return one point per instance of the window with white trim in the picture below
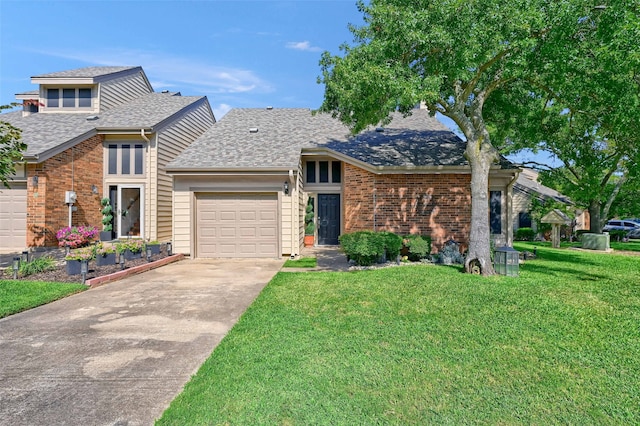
(323, 171)
(125, 159)
(71, 97)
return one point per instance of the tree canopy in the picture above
(11, 148)
(454, 56)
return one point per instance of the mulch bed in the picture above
(60, 273)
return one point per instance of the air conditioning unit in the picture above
(70, 197)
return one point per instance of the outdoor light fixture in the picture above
(94, 189)
(169, 249)
(25, 256)
(148, 254)
(286, 188)
(16, 266)
(507, 261)
(34, 180)
(122, 261)
(84, 268)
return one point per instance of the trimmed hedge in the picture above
(367, 247)
(525, 234)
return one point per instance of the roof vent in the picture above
(253, 130)
(165, 91)
(269, 107)
(92, 118)
(379, 129)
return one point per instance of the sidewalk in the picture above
(330, 259)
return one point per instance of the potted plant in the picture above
(154, 246)
(75, 257)
(309, 225)
(107, 218)
(105, 254)
(131, 248)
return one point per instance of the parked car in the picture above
(620, 225)
(634, 219)
(634, 233)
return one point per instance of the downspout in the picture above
(147, 212)
(510, 210)
(294, 190)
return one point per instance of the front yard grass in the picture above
(430, 345)
(303, 262)
(18, 296)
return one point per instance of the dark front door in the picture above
(328, 219)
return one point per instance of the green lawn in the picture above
(18, 296)
(430, 345)
(304, 262)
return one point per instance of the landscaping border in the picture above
(98, 281)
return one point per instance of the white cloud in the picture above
(220, 110)
(182, 74)
(302, 45)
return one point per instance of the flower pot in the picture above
(155, 248)
(309, 240)
(106, 236)
(106, 259)
(73, 267)
(129, 255)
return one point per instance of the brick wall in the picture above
(76, 169)
(438, 205)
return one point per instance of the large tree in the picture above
(11, 148)
(581, 104)
(453, 55)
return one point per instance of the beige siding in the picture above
(172, 140)
(121, 90)
(521, 203)
(182, 221)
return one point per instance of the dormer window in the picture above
(69, 98)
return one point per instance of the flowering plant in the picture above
(133, 245)
(85, 253)
(76, 236)
(104, 249)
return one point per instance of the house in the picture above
(240, 190)
(91, 133)
(527, 189)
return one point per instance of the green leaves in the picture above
(11, 148)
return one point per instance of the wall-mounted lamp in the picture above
(94, 189)
(286, 187)
(34, 180)
(16, 266)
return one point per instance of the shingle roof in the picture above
(86, 72)
(43, 132)
(528, 182)
(418, 140)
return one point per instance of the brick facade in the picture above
(78, 169)
(438, 205)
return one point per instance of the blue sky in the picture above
(240, 53)
(237, 53)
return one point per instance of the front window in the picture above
(324, 171)
(120, 158)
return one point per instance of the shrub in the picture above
(417, 246)
(392, 244)
(525, 234)
(40, 264)
(363, 247)
(617, 235)
(76, 236)
(107, 215)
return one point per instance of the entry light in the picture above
(286, 188)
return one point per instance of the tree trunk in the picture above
(595, 223)
(479, 254)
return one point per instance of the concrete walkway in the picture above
(119, 354)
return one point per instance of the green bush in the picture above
(417, 247)
(392, 244)
(525, 234)
(617, 235)
(363, 247)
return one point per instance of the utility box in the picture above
(596, 241)
(70, 197)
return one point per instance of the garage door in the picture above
(13, 218)
(237, 225)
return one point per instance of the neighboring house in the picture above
(99, 132)
(241, 189)
(526, 189)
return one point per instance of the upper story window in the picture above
(69, 98)
(125, 159)
(323, 171)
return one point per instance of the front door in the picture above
(130, 211)
(328, 219)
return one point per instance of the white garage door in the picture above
(13, 218)
(236, 225)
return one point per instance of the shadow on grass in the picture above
(547, 269)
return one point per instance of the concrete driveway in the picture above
(120, 353)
